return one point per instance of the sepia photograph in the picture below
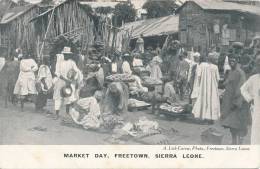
(129, 72)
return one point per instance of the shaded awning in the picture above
(153, 27)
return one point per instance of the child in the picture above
(43, 84)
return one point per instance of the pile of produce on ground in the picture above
(133, 103)
(120, 78)
(172, 108)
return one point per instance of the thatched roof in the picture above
(14, 13)
(153, 27)
(224, 6)
(52, 8)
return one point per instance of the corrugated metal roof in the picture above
(100, 4)
(14, 13)
(227, 6)
(153, 27)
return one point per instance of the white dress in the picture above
(251, 91)
(25, 83)
(207, 105)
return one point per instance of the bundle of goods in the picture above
(172, 109)
(151, 82)
(120, 78)
(110, 121)
(136, 104)
(151, 96)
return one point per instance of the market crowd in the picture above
(95, 92)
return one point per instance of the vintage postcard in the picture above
(129, 83)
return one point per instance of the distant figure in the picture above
(207, 105)
(126, 68)
(25, 85)
(9, 75)
(154, 68)
(140, 44)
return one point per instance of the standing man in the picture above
(207, 105)
(251, 92)
(234, 108)
(65, 78)
(182, 74)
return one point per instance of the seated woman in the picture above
(137, 62)
(116, 98)
(93, 82)
(169, 92)
(136, 86)
(86, 112)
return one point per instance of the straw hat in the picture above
(66, 50)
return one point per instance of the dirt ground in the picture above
(31, 128)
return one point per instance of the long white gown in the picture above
(26, 80)
(251, 91)
(207, 105)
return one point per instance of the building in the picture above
(246, 2)
(207, 23)
(68, 19)
(155, 31)
(15, 30)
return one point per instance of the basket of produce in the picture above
(120, 78)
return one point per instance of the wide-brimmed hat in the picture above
(66, 50)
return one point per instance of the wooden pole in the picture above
(45, 36)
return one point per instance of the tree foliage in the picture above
(47, 2)
(124, 12)
(88, 9)
(159, 8)
(104, 10)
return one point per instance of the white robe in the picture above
(251, 91)
(207, 105)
